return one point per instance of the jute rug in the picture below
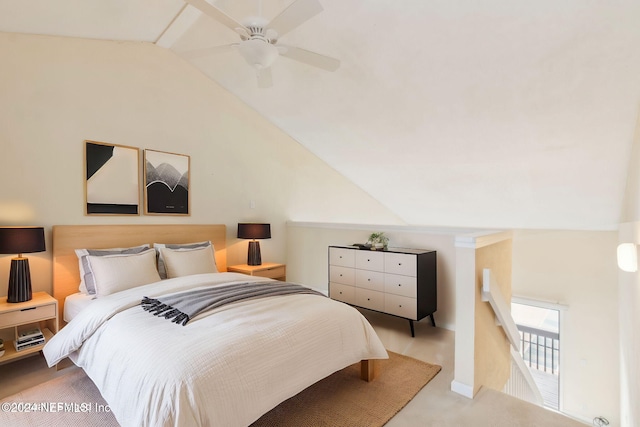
(342, 399)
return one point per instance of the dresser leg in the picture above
(413, 334)
(433, 321)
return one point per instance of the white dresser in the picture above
(398, 281)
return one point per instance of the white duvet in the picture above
(225, 368)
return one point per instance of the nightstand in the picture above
(266, 269)
(41, 310)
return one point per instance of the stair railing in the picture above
(521, 383)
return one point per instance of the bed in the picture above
(227, 366)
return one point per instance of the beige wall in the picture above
(629, 295)
(482, 355)
(577, 269)
(57, 92)
(629, 318)
(492, 348)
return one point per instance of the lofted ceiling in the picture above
(500, 113)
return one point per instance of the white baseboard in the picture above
(462, 389)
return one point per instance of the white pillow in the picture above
(87, 281)
(180, 262)
(179, 246)
(114, 273)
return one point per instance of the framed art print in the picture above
(112, 184)
(166, 183)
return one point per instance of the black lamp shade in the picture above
(254, 231)
(20, 240)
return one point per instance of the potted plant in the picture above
(378, 240)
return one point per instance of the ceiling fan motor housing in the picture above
(258, 49)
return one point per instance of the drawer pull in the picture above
(399, 263)
(340, 256)
(340, 274)
(368, 299)
(27, 309)
(340, 292)
(399, 284)
(368, 280)
(400, 306)
(368, 260)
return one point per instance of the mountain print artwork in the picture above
(166, 183)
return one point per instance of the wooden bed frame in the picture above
(67, 238)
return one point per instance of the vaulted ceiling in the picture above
(499, 113)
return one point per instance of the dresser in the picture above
(398, 281)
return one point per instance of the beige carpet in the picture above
(339, 400)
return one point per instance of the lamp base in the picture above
(253, 257)
(19, 281)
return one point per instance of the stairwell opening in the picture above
(539, 327)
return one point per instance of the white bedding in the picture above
(75, 303)
(226, 367)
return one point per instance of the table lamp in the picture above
(254, 231)
(20, 240)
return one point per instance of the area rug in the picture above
(342, 399)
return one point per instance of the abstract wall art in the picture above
(112, 185)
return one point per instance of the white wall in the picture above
(56, 92)
(629, 303)
(629, 298)
(577, 269)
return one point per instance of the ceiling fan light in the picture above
(258, 53)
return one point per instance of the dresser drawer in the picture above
(370, 299)
(27, 315)
(373, 280)
(404, 264)
(370, 260)
(342, 293)
(343, 275)
(342, 257)
(401, 306)
(401, 285)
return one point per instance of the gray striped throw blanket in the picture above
(183, 306)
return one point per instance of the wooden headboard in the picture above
(67, 238)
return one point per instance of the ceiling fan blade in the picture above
(294, 15)
(308, 57)
(264, 78)
(207, 51)
(216, 14)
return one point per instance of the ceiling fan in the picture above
(259, 38)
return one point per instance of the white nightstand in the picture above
(41, 310)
